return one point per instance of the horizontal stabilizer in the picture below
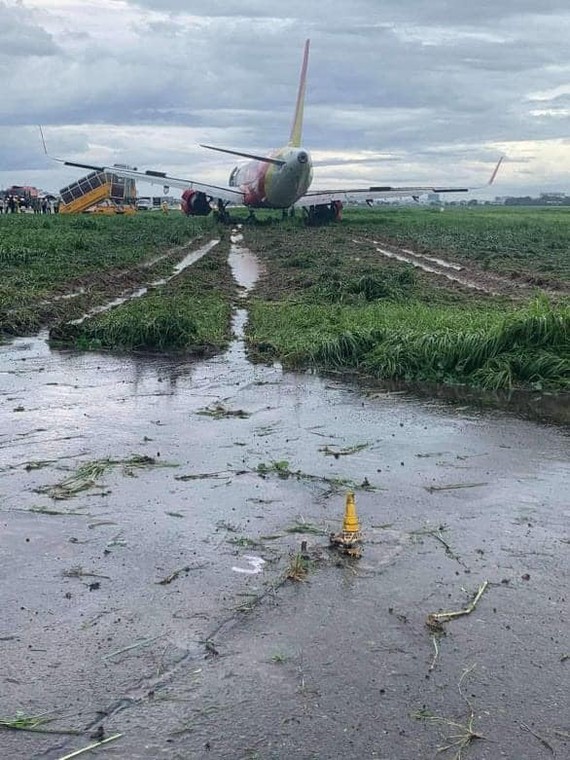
(265, 159)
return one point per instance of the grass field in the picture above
(43, 258)
(485, 347)
(330, 300)
(520, 241)
(191, 313)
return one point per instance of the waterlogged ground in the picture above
(147, 597)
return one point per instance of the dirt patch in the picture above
(333, 264)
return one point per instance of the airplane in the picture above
(280, 180)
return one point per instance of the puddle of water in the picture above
(245, 270)
(255, 565)
(239, 321)
(433, 259)
(426, 268)
(192, 258)
(244, 265)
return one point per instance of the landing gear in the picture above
(323, 213)
(221, 214)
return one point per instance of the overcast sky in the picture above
(398, 91)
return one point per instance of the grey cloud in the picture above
(437, 81)
(435, 11)
(20, 36)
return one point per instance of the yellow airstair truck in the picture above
(99, 193)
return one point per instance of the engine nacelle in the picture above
(195, 203)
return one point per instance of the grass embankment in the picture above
(43, 257)
(191, 313)
(329, 303)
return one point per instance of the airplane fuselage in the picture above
(267, 185)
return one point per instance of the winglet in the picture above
(43, 139)
(63, 161)
(496, 170)
(297, 126)
(51, 158)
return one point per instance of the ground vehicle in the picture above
(101, 191)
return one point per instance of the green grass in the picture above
(520, 241)
(484, 346)
(159, 323)
(329, 300)
(191, 313)
(41, 257)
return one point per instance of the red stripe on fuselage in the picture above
(253, 183)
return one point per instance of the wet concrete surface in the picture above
(226, 660)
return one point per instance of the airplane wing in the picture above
(228, 194)
(324, 197)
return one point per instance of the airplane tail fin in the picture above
(297, 126)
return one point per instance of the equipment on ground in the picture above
(100, 192)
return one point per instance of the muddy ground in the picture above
(440, 276)
(154, 603)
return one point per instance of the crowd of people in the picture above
(15, 204)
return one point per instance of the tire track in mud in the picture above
(80, 294)
(188, 260)
(463, 275)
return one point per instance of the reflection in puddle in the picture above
(244, 265)
(533, 405)
(245, 270)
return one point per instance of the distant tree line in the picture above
(527, 200)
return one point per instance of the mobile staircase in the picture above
(99, 192)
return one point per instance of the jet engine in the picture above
(195, 203)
